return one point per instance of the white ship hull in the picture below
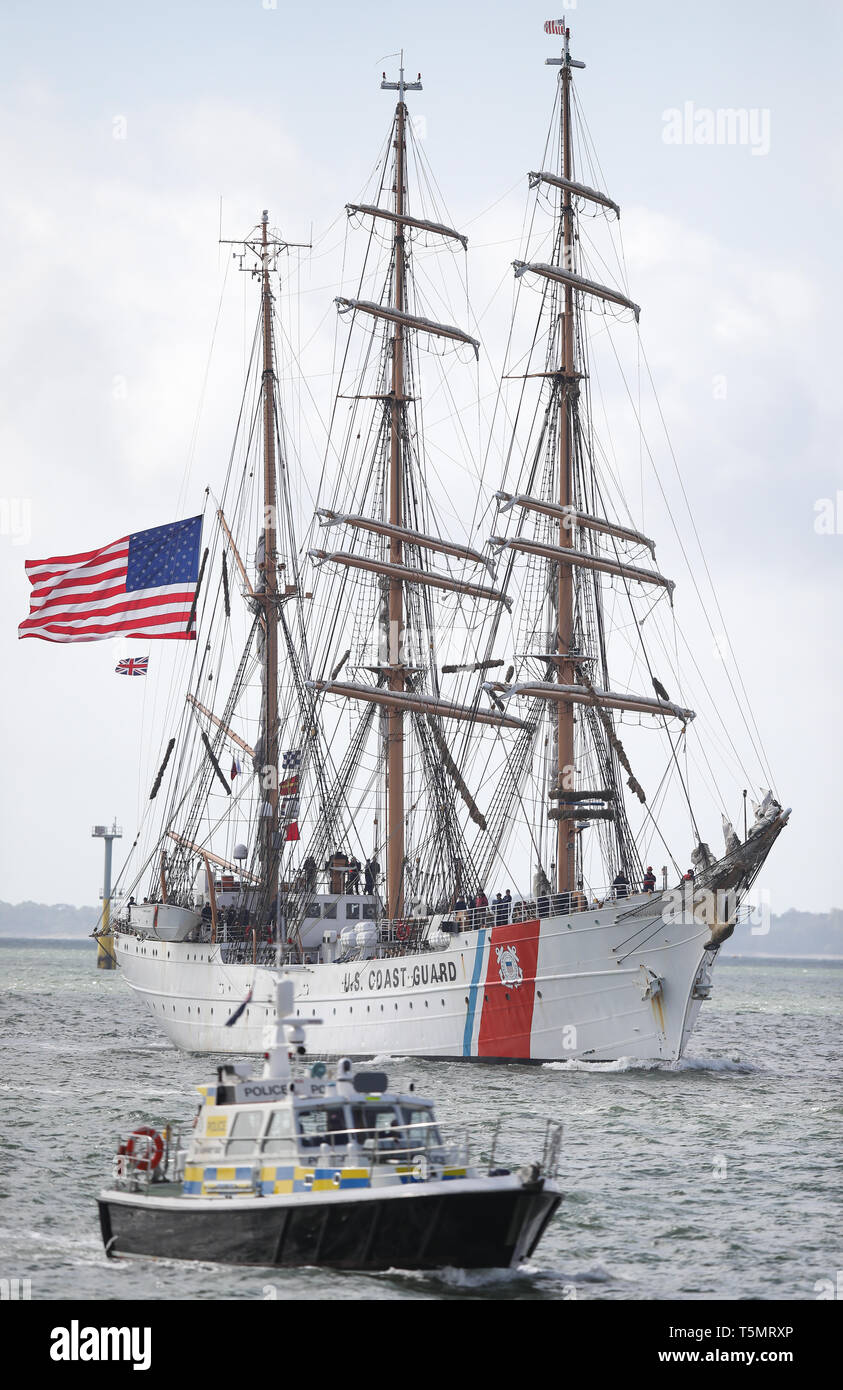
(596, 985)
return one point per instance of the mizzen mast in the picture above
(261, 256)
(269, 821)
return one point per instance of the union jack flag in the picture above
(132, 666)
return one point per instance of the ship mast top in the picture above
(401, 86)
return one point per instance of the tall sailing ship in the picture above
(430, 710)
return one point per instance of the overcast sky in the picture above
(122, 127)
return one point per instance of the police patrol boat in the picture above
(330, 1169)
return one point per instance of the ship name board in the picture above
(399, 977)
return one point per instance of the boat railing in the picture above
(507, 911)
(148, 1156)
(547, 1165)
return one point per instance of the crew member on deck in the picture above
(649, 880)
(371, 874)
(621, 884)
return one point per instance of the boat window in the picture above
(352, 912)
(279, 1135)
(370, 911)
(323, 1126)
(424, 1131)
(245, 1128)
(381, 1123)
(330, 910)
(314, 909)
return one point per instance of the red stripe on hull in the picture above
(507, 1018)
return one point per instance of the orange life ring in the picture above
(152, 1153)
(402, 930)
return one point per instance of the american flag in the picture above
(132, 666)
(140, 586)
(554, 26)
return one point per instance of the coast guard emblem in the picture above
(510, 971)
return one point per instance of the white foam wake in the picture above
(624, 1064)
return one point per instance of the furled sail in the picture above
(577, 282)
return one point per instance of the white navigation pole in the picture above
(106, 959)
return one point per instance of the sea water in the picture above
(716, 1177)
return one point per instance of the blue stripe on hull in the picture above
(472, 992)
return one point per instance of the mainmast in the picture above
(395, 715)
(413, 705)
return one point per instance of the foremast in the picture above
(565, 667)
(564, 506)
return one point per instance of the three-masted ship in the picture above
(431, 714)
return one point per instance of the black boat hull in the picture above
(468, 1229)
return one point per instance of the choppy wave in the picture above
(529, 1272)
(644, 1149)
(685, 1064)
